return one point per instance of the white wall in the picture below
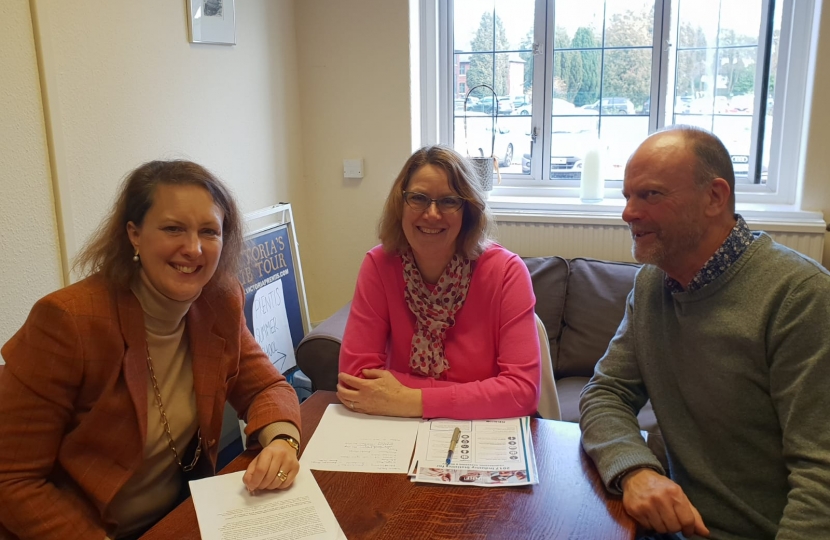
(123, 86)
(29, 261)
(353, 58)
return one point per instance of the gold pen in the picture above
(455, 435)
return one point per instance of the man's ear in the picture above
(719, 194)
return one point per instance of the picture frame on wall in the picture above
(211, 21)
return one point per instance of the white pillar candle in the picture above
(592, 186)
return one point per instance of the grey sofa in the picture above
(580, 301)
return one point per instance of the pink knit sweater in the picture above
(493, 349)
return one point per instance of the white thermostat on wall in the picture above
(352, 168)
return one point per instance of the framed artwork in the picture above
(211, 21)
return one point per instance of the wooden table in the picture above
(569, 502)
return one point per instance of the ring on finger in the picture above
(282, 476)
(351, 404)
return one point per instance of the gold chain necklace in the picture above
(170, 443)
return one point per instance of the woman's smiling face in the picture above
(431, 234)
(180, 240)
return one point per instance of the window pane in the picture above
(698, 120)
(626, 81)
(516, 145)
(574, 122)
(572, 76)
(498, 25)
(479, 72)
(516, 17)
(715, 72)
(511, 141)
(697, 25)
(461, 64)
(470, 16)
(600, 82)
(736, 78)
(566, 153)
(692, 69)
(740, 22)
(572, 15)
(620, 136)
(493, 44)
(629, 23)
(573, 130)
(736, 134)
(583, 78)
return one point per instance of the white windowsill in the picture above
(571, 210)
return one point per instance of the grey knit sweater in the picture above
(738, 373)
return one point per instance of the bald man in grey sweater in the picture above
(726, 332)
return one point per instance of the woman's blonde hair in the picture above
(477, 224)
(109, 251)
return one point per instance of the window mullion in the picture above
(663, 48)
(444, 9)
(542, 108)
(759, 109)
(671, 45)
(436, 31)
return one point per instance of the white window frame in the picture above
(778, 199)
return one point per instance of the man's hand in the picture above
(659, 504)
(379, 393)
(274, 468)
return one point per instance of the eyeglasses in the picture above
(420, 202)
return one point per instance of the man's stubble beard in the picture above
(667, 249)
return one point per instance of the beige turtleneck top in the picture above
(151, 492)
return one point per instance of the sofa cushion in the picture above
(594, 307)
(318, 354)
(569, 389)
(549, 276)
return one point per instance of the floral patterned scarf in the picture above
(434, 311)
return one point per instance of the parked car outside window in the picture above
(613, 105)
(485, 105)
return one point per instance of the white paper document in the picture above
(349, 441)
(488, 453)
(226, 511)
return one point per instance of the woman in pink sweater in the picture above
(442, 321)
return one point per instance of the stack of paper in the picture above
(488, 453)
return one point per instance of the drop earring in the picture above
(135, 257)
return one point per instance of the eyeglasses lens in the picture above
(420, 202)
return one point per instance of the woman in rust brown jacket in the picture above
(114, 387)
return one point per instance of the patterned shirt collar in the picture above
(728, 253)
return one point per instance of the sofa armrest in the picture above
(318, 354)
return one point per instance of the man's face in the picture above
(665, 209)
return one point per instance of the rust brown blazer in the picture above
(73, 401)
